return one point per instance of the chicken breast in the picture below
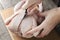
(27, 24)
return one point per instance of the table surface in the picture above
(9, 11)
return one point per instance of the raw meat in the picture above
(21, 24)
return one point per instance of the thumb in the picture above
(36, 29)
(42, 14)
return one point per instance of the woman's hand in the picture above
(52, 18)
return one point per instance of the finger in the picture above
(45, 32)
(37, 29)
(33, 10)
(19, 5)
(42, 34)
(31, 7)
(45, 13)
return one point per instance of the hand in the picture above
(52, 18)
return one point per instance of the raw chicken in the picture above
(22, 24)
